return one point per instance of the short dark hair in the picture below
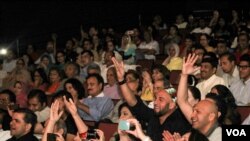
(60, 94)
(230, 56)
(195, 92)
(98, 77)
(210, 60)
(12, 96)
(29, 117)
(162, 69)
(77, 85)
(39, 94)
(245, 57)
(90, 53)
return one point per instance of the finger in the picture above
(60, 114)
(194, 58)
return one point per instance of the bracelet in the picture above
(122, 82)
(83, 135)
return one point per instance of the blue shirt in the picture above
(99, 107)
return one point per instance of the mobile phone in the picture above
(125, 125)
(92, 134)
(51, 137)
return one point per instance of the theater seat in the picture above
(244, 112)
(90, 124)
(108, 128)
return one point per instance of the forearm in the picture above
(83, 107)
(127, 95)
(182, 97)
(48, 129)
(81, 126)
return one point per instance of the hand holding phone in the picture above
(125, 125)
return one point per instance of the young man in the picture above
(230, 71)
(241, 89)
(22, 125)
(37, 102)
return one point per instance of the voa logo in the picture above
(236, 132)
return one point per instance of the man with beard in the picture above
(164, 116)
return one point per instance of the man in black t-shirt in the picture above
(164, 116)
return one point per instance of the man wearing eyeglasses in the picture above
(241, 89)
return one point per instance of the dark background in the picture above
(29, 21)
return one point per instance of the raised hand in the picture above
(119, 66)
(188, 65)
(70, 105)
(55, 114)
(138, 132)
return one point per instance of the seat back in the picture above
(108, 128)
(174, 78)
(244, 111)
(90, 124)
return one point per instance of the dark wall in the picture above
(35, 21)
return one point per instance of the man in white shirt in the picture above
(149, 47)
(208, 77)
(202, 28)
(230, 71)
(241, 89)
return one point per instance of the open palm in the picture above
(188, 65)
(119, 66)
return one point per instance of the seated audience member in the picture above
(45, 63)
(7, 97)
(75, 88)
(111, 89)
(149, 47)
(133, 82)
(72, 70)
(37, 103)
(64, 114)
(22, 125)
(147, 87)
(96, 106)
(165, 115)
(125, 113)
(208, 77)
(55, 77)
(81, 126)
(232, 116)
(55, 124)
(173, 61)
(21, 90)
(241, 89)
(39, 80)
(229, 67)
(211, 108)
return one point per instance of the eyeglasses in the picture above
(243, 67)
